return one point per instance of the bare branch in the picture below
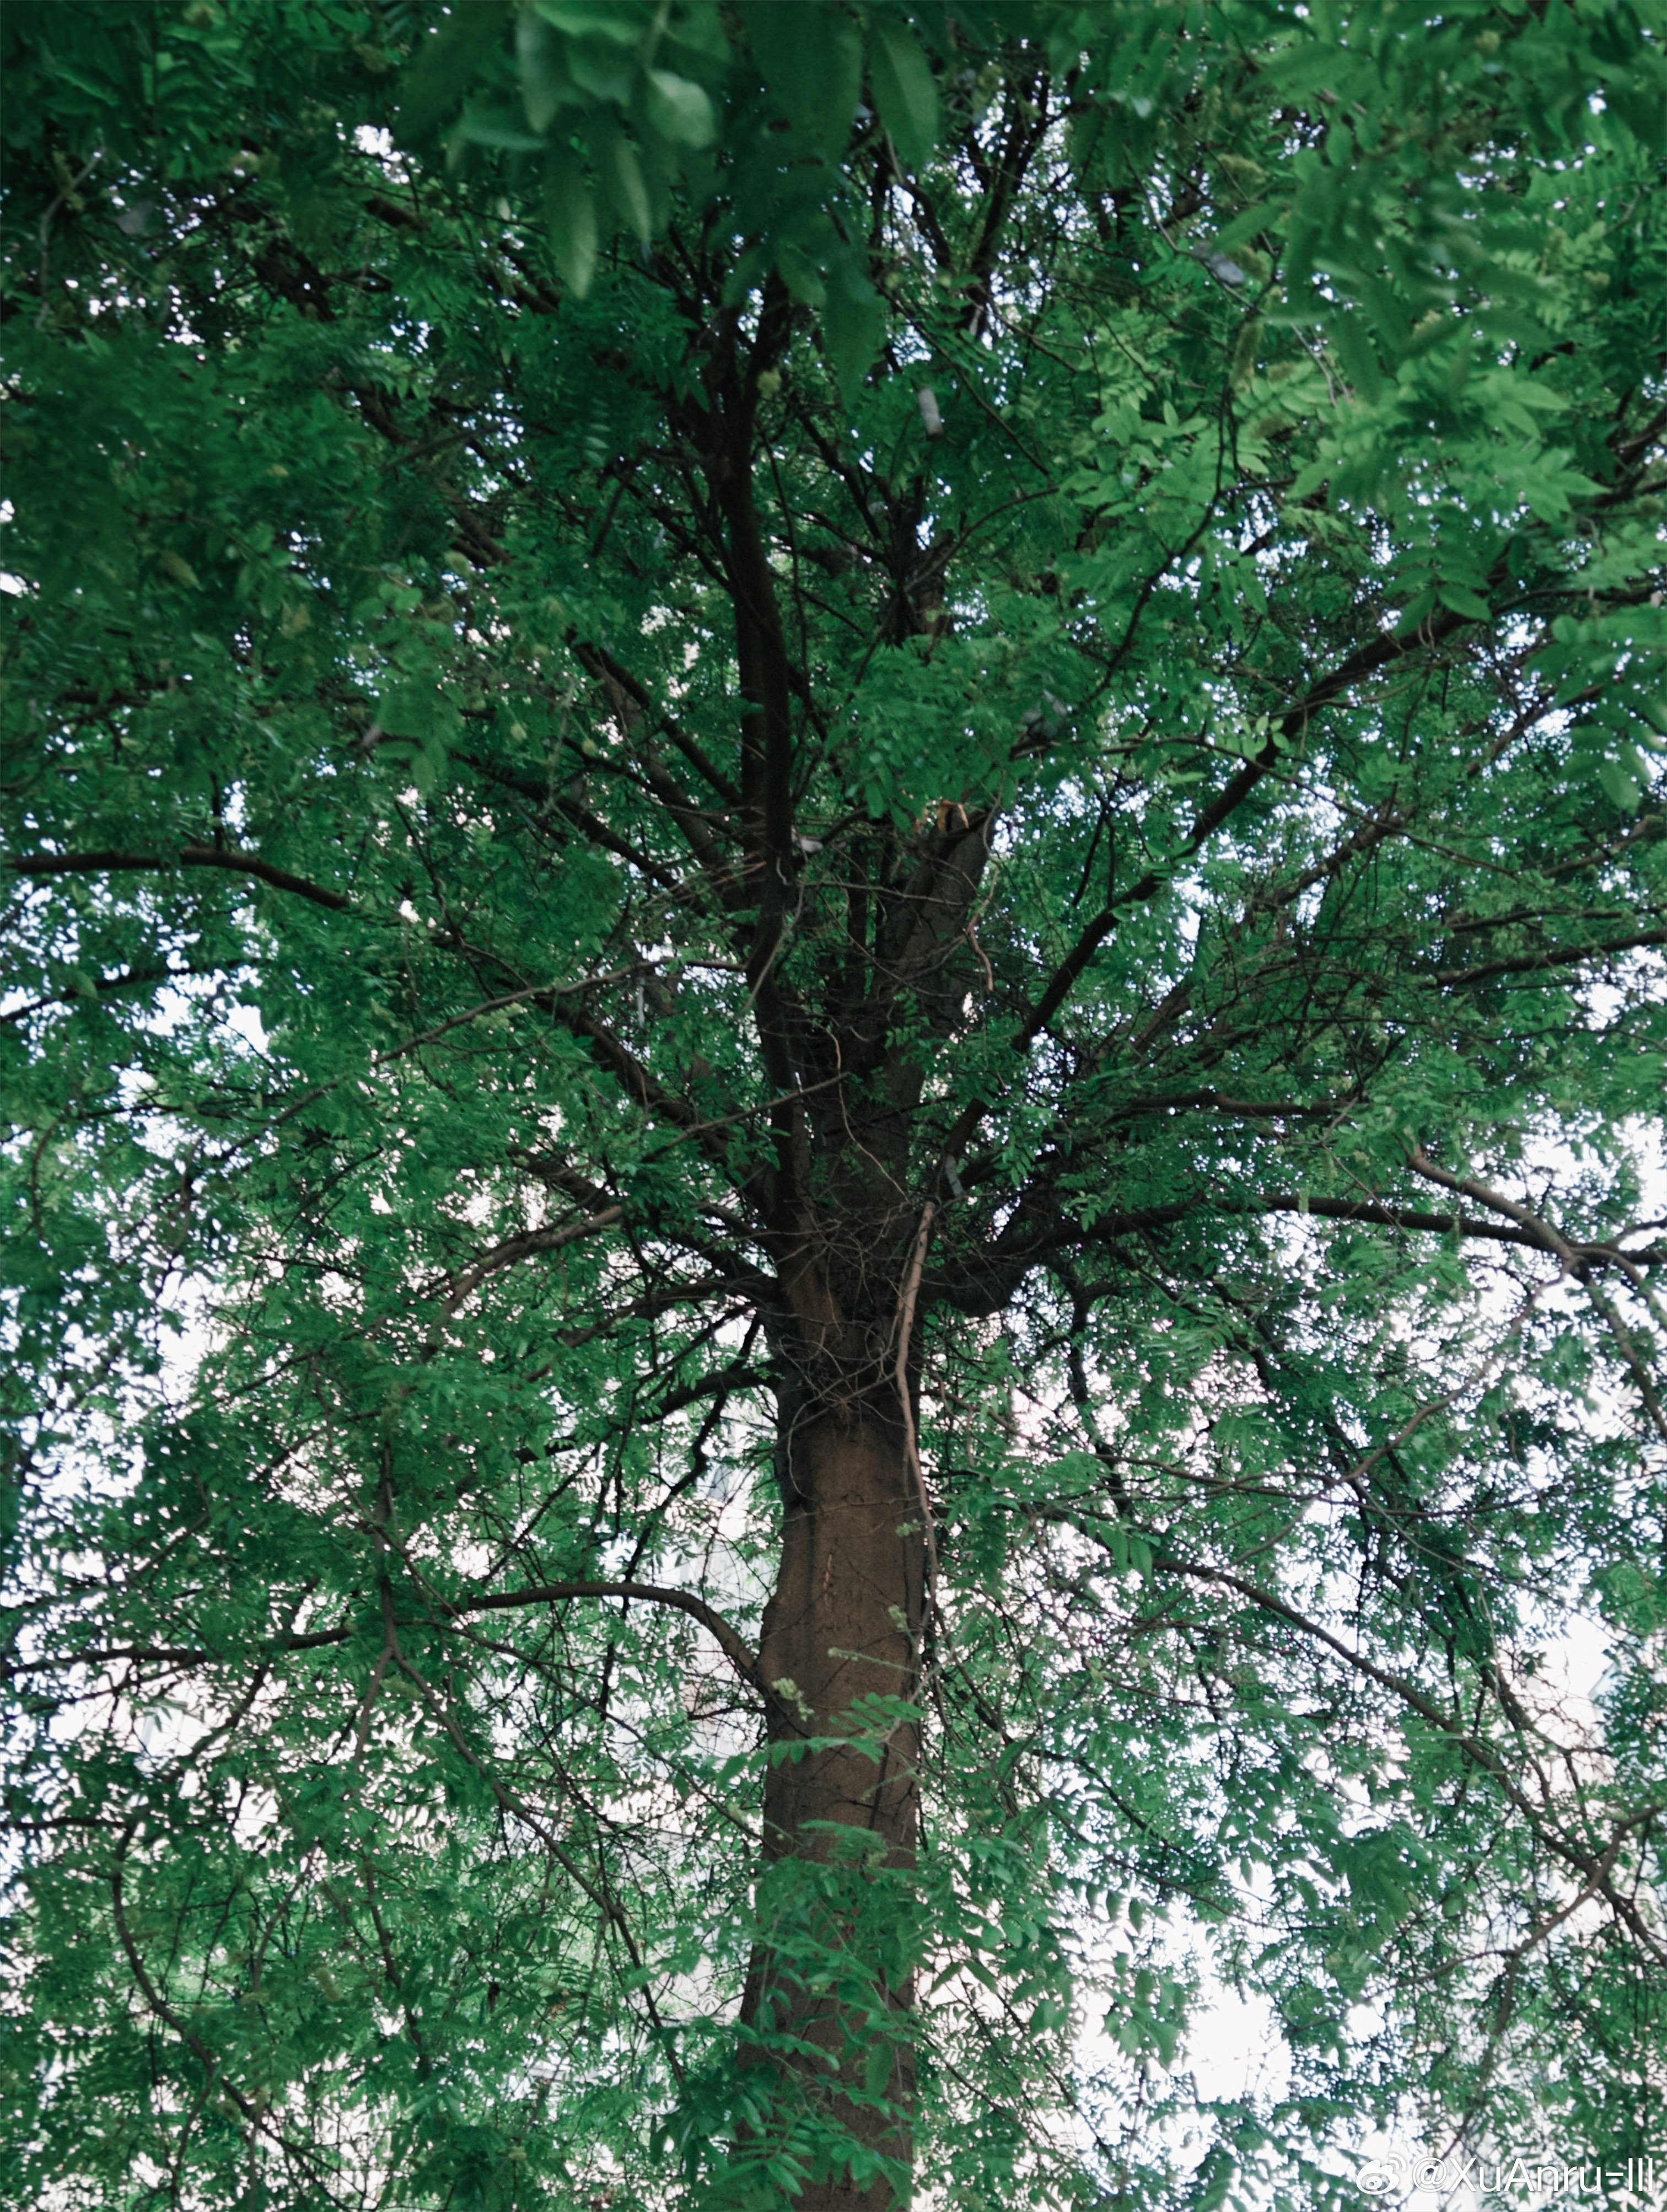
(188, 856)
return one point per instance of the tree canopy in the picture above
(834, 1025)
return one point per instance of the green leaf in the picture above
(1360, 361)
(498, 126)
(1246, 226)
(1622, 788)
(800, 274)
(446, 65)
(877, 2062)
(904, 91)
(570, 216)
(546, 86)
(1417, 611)
(1246, 347)
(680, 109)
(853, 322)
(1463, 601)
(420, 712)
(623, 21)
(811, 57)
(620, 167)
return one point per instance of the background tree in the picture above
(836, 888)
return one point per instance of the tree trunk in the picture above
(833, 1969)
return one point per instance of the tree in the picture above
(834, 1012)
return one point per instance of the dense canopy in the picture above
(834, 1021)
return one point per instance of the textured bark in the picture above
(844, 1623)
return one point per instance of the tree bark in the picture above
(828, 1999)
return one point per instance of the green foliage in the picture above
(720, 714)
